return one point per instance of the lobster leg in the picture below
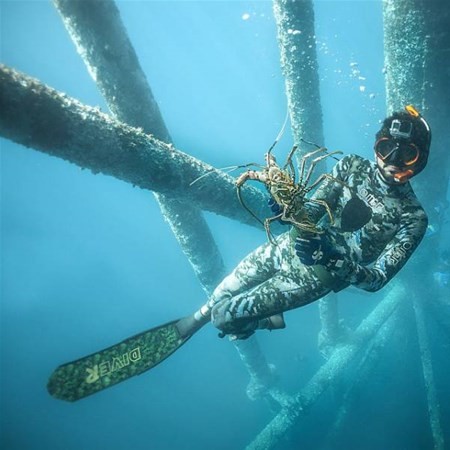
(314, 162)
(305, 159)
(325, 205)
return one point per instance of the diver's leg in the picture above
(282, 292)
(254, 269)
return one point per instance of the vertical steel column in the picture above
(417, 63)
(405, 47)
(296, 38)
(298, 56)
(417, 70)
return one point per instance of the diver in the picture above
(377, 223)
(363, 223)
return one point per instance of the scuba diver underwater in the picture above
(359, 226)
(376, 224)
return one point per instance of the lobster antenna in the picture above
(280, 134)
(317, 146)
(231, 168)
(227, 169)
(310, 143)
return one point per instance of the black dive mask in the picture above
(397, 153)
(404, 145)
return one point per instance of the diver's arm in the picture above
(330, 190)
(393, 258)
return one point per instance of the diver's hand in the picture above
(313, 249)
(223, 318)
(277, 210)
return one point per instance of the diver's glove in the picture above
(277, 210)
(222, 318)
(314, 249)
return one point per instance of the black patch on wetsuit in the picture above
(355, 215)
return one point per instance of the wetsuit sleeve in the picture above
(391, 260)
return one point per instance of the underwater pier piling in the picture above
(417, 71)
(43, 119)
(261, 374)
(417, 64)
(428, 375)
(363, 371)
(102, 42)
(296, 38)
(101, 39)
(332, 331)
(37, 116)
(440, 310)
(328, 375)
(298, 59)
(405, 45)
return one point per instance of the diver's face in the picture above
(393, 175)
(396, 159)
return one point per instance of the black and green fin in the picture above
(133, 356)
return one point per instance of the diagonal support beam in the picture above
(100, 37)
(37, 116)
(101, 40)
(428, 376)
(329, 374)
(362, 373)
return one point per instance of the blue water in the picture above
(88, 260)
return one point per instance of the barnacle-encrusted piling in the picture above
(298, 59)
(417, 69)
(329, 374)
(102, 41)
(37, 116)
(428, 375)
(296, 38)
(361, 376)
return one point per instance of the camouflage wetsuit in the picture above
(272, 279)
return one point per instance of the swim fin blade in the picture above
(93, 373)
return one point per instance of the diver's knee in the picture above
(220, 295)
(229, 287)
(220, 316)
